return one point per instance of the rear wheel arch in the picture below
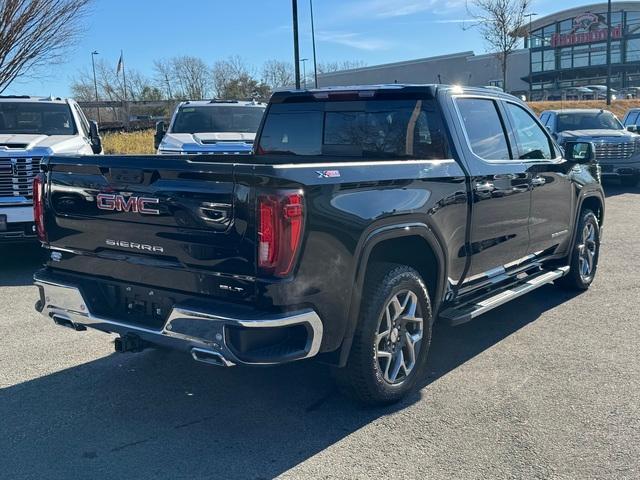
(413, 245)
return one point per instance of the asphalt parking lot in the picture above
(546, 387)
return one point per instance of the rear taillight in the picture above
(280, 224)
(38, 207)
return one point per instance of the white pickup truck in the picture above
(32, 128)
(224, 127)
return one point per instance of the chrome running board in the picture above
(466, 312)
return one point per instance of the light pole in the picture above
(529, 38)
(304, 71)
(95, 81)
(296, 51)
(313, 42)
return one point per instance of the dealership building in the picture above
(562, 52)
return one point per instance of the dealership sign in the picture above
(587, 28)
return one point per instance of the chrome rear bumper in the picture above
(203, 333)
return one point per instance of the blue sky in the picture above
(374, 31)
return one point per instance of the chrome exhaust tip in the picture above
(210, 357)
(65, 322)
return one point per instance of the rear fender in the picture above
(373, 238)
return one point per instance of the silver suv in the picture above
(32, 128)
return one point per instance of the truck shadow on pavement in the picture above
(160, 415)
(18, 263)
(613, 188)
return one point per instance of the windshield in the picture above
(588, 121)
(215, 119)
(36, 118)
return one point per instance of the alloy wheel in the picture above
(398, 338)
(587, 252)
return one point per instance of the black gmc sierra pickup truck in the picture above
(364, 215)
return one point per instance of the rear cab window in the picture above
(340, 130)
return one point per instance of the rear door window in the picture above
(375, 129)
(484, 127)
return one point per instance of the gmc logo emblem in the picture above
(118, 203)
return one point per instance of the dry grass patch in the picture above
(129, 143)
(618, 107)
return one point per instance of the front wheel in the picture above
(390, 345)
(583, 260)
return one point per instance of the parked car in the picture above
(366, 214)
(215, 126)
(32, 128)
(600, 92)
(617, 150)
(579, 93)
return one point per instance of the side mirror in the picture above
(632, 128)
(94, 137)
(580, 152)
(161, 129)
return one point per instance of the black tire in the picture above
(630, 181)
(365, 377)
(577, 278)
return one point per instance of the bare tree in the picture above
(111, 86)
(183, 78)
(499, 23)
(164, 79)
(277, 74)
(192, 76)
(36, 33)
(229, 70)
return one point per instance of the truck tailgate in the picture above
(166, 222)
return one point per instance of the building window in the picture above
(616, 18)
(549, 62)
(581, 56)
(536, 61)
(547, 33)
(566, 55)
(566, 26)
(536, 38)
(633, 23)
(616, 56)
(599, 54)
(633, 50)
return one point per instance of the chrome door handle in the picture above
(484, 187)
(505, 176)
(538, 181)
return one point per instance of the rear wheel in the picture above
(585, 253)
(390, 345)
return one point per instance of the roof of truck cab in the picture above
(280, 96)
(576, 110)
(30, 99)
(225, 103)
